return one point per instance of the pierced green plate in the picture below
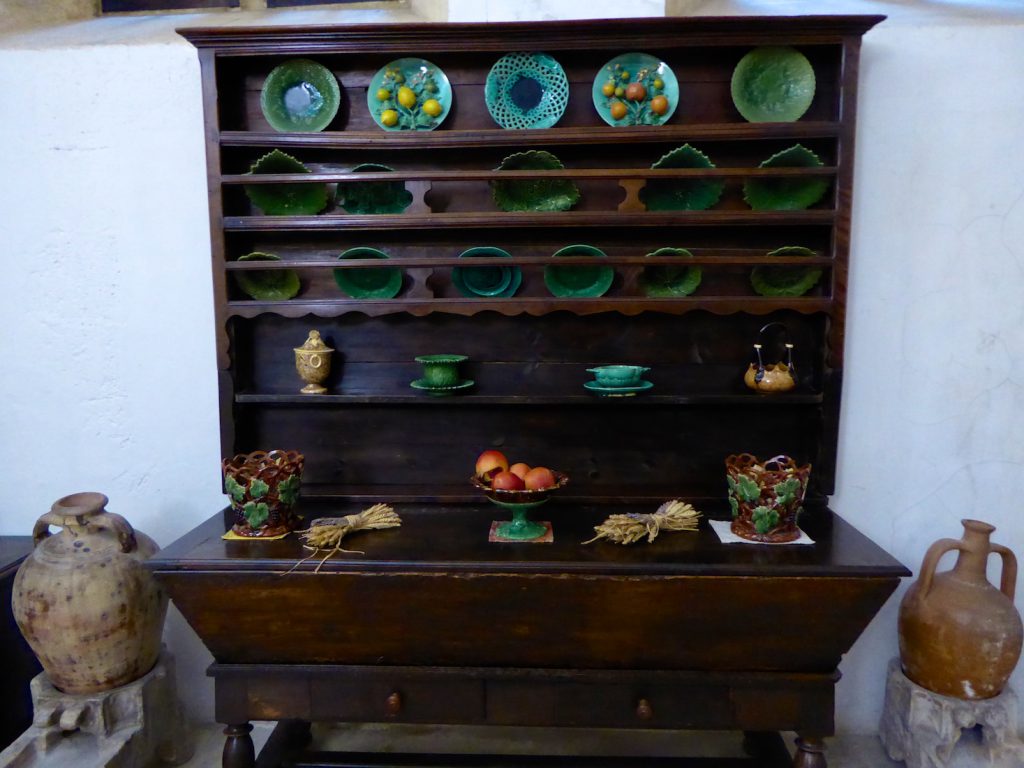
(773, 84)
(416, 96)
(670, 281)
(579, 281)
(788, 280)
(682, 194)
(526, 90)
(300, 95)
(786, 194)
(537, 194)
(373, 196)
(489, 282)
(285, 199)
(655, 79)
(267, 284)
(368, 283)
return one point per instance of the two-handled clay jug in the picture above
(959, 635)
(85, 603)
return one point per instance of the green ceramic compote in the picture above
(519, 503)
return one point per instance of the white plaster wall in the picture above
(108, 375)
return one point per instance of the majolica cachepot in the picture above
(263, 487)
(766, 496)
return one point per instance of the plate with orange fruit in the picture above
(635, 89)
(409, 95)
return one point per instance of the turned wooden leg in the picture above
(767, 746)
(238, 748)
(810, 753)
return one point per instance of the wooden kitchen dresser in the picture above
(433, 623)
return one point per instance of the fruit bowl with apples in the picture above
(518, 488)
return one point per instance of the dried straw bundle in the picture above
(326, 533)
(673, 515)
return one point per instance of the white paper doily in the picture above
(726, 536)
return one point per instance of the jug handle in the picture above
(931, 559)
(104, 521)
(1008, 579)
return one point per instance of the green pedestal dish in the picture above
(526, 90)
(651, 101)
(787, 280)
(579, 281)
(534, 194)
(368, 283)
(409, 95)
(787, 194)
(682, 194)
(773, 84)
(519, 503)
(440, 370)
(299, 199)
(300, 95)
(267, 284)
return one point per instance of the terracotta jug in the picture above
(84, 601)
(959, 635)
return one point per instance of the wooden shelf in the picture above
(502, 261)
(749, 399)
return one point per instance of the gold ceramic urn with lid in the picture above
(313, 362)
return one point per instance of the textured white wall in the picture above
(107, 348)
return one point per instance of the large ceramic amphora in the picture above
(83, 600)
(959, 635)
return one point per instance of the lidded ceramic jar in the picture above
(959, 635)
(85, 603)
(313, 362)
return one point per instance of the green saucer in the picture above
(368, 283)
(773, 84)
(790, 280)
(788, 193)
(267, 284)
(579, 281)
(300, 95)
(670, 281)
(285, 199)
(597, 389)
(422, 385)
(682, 194)
(486, 282)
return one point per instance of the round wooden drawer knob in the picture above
(393, 705)
(643, 710)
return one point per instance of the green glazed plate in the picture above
(373, 196)
(579, 281)
(526, 90)
(682, 194)
(285, 199)
(476, 282)
(654, 75)
(267, 284)
(368, 283)
(300, 95)
(538, 194)
(670, 281)
(422, 384)
(597, 389)
(773, 84)
(426, 81)
(788, 280)
(786, 194)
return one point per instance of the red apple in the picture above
(519, 469)
(490, 463)
(539, 478)
(506, 481)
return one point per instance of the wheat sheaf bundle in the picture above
(673, 515)
(325, 534)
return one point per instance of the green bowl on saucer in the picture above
(618, 375)
(267, 284)
(300, 95)
(368, 283)
(487, 282)
(670, 281)
(579, 281)
(773, 84)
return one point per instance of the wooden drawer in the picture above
(397, 699)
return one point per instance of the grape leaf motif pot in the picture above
(959, 635)
(85, 603)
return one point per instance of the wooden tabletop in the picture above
(13, 549)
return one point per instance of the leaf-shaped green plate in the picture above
(788, 280)
(535, 194)
(300, 95)
(373, 196)
(368, 283)
(285, 199)
(791, 193)
(682, 194)
(773, 84)
(670, 281)
(579, 281)
(267, 284)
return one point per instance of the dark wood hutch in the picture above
(434, 624)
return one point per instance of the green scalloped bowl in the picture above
(300, 95)
(368, 283)
(476, 282)
(786, 281)
(372, 197)
(535, 194)
(299, 199)
(682, 194)
(269, 284)
(773, 84)
(579, 281)
(786, 194)
(670, 281)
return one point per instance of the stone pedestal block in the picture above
(138, 725)
(922, 728)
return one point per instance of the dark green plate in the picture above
(670, 281)
(786, 194)
(368, 283)
(285, 199)
(373, 196)
(682, 194)
(300, 95)
(267, 284)
(773, 84)
(538, 194)
(579, 281)
(476, 282)
(788, 280)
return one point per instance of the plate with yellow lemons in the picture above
(409, 95)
